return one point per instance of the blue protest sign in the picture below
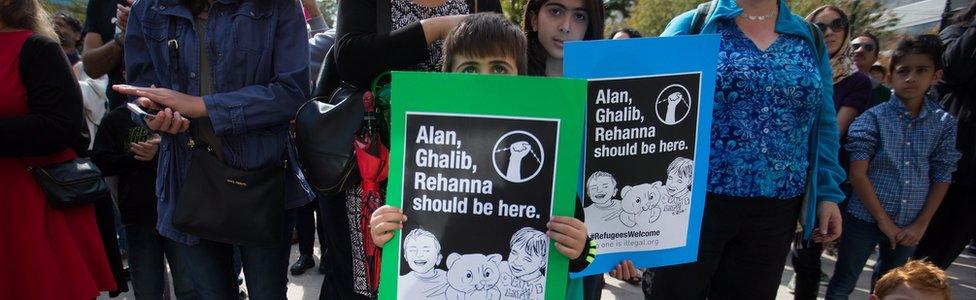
(648, 120)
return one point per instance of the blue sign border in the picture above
(649, 57)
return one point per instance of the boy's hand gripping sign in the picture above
(479, 164)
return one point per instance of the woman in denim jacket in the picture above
(241, 67)
(774, 120)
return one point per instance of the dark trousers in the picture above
(950, 230)
(105, 218)
(741, 254)
(307, 226)
(210, 266)
(148, 254)
(339, 279)
(856, 245)
(806, 263)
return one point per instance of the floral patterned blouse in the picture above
(765, 103)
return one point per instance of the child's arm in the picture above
(912, 234)
(383, 222)
(862, 143)
(869, 197)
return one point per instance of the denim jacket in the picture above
(824, 143)
(258, 54)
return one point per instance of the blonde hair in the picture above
(28, 15)
(916, 274)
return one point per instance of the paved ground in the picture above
(962, 275)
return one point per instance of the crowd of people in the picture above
(159, 94)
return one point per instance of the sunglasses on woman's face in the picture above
(867, 47)
(837, 25)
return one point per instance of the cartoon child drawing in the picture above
(601, 187)
(679, 181)
(472, 276)
(523, 274)
(422, 252)
(639, 200)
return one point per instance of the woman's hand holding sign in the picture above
(384, 220)
(569, 234)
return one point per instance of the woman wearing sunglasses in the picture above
(852, 90)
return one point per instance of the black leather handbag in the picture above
(324, 132)
(221, 203)
(70, 184)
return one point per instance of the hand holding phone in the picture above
(141, 112)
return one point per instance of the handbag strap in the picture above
(201, 130)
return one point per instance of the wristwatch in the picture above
(118, 39)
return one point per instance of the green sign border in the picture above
(490, 95)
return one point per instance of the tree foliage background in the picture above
(650, 17)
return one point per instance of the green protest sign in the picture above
(479, 164)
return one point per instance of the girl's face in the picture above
(559, 21)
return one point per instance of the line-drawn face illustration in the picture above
(678, 184)
(640, 197)
(423, 252)
(523, 263)
(601, 187)
(473, 272)
(679, 176)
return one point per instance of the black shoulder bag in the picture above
(70, 184)
(219, 202)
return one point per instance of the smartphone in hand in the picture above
(141, 112)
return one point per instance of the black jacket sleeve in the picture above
(959, 55)
(362, 53)
(111, 142)
(55, 118)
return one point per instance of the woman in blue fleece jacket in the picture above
(774, 120)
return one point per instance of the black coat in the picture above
(959, 95)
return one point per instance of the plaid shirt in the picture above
(906, 155)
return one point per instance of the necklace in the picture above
(759, 17)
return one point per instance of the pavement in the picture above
(962, 277)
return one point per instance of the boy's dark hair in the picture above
(926, 44)
(874, 38)
(486, 34)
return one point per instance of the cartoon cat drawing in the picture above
(473, 276)
(642, 198)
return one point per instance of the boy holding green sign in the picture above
(489, 44)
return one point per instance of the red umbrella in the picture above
(373, 160)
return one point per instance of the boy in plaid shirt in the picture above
(903, 153)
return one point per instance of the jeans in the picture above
(742, 251)
(856, 245)
(148, 254)
(210, 265)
